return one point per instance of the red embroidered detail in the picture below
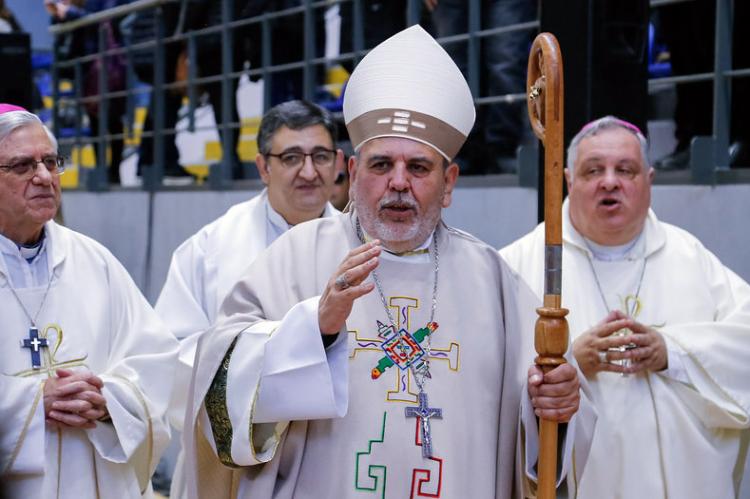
(421, 478)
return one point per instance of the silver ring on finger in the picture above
(341, 283)
(602, 357)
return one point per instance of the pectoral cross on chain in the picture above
(424, 412)
(34, 343)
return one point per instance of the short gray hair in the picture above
(13, 120)
(607, 123)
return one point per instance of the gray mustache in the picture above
(398, 201)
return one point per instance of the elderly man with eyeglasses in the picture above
(297, 160)
(76, 418)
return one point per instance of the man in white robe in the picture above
(661, 330)
(378, 353)
(87, 366)
(297, 160)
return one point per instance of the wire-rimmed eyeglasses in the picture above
(55, 165)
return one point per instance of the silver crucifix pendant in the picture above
(424, 412)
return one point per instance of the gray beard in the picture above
(417, 231)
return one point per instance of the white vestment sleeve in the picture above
(182, 301)
(576, 440)
(138, 381)
(182, 305)
(716, 352)
(675, 362)
(299, 378)
(22, 426)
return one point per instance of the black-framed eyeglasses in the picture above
(23, 167)
(321, 158)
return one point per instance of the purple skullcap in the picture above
(7, 108)
(622, 123)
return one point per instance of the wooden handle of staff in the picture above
(551, 342)
(545, 106)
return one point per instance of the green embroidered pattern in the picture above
(371, 477)
(218, 414)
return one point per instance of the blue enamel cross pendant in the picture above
(34, 343)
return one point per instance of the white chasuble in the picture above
(92, 317)
(203, 270)
(675, 433)
(289, 418)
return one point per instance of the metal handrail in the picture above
(308, 63)
(106, 15)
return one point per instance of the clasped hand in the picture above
(74, 399)
(599, 348)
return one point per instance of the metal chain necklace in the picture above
(632, 310)
(421, 373)
(629, 310)
(34, 343)
(23, 307)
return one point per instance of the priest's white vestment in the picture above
(298, 420)
(93, 317)
(203, 270)
(677, 433)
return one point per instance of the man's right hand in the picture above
(346, 285)
(591, 349)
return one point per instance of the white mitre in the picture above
(408, 86)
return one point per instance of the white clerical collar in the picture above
(275, 218)
(27, 252)
(614, 253)
(277, 224)
(25, 267)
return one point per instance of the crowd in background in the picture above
(684, 30)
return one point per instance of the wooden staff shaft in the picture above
(545, 105)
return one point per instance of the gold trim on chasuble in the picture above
(24, 430)
(50, 360)
(96, 472)
(59, 460)
(50, 364)
(266, 436)
(218, 413)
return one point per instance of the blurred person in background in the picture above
(491, 147)
(8, 23)
(85, 41)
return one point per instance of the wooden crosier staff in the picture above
(545, 106)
